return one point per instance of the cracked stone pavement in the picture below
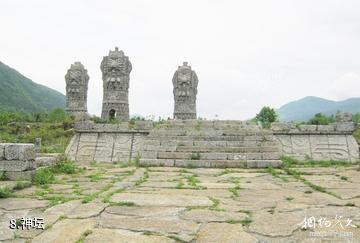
(109, 203)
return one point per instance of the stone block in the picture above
(343, 117)
(16, 165)
(213, 156)
(326, 128)
(280, 127)
(173, 155)
(44, 161)
(143, 125)
(193, 163)
(2, 151)
(210, 143)
(307, 128)
(17, 151)
(346, 127)
(20, 175)
(157, 162)
(148, 154)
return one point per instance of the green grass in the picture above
(65, 166)
(179, 185)
(5, 192)
(216, 203)
(289, 198)
(234, 191)
(350, 204)
(94, 177)
(43, 176)
(22, 184)
(83, 236)
(124, 203)
(192, 180)
(276, 174)
(244, 222)
(3, 176)
(195, 156)
(143, 178)
(288, 163)
(344, 178)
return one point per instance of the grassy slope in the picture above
(19, 93)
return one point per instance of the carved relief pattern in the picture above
(116, 69)
(185, 84)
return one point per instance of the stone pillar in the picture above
(185, 84)
(76, 91)
(116, 69)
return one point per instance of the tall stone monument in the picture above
(185, 84)
(76, 91)
(116, 69)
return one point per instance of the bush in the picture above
(266, 116)
(321, 119)
(5, 192)
(43, 176)
(64, 165)
(22, 184)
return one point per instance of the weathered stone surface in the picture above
(76, 209)
(280, 224)
(344, 117)
(145, 211)
(162, 200)
(19, 175)
(185, 83)
(22, 203)
(164, 225)
(76, 91)
(16, 165)
(116, 69)
(206, 215)
(19, 151)
(2, 151)
(67, 230)
(214, 232)
(118, 235)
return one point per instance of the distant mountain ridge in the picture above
(307, 107)
(18, 93)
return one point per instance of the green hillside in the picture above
(306, 108)
(19, 93)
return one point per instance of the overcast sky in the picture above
(247, 54)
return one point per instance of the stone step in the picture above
(211, 163)
(212, 156)
(211, 143)
(218, 136)
(256, 149)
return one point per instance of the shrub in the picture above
(266, 116)
(64, 165)
(321, 119)
(22, 184)
(43, 176)
(5, 192)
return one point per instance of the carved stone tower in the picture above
(76, 91)
(185, 84)
(116, 69)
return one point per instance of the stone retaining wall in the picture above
(317, 142)
(212, 140)
(17, 160)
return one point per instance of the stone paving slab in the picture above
(108, 203)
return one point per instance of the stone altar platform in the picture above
(202, 143)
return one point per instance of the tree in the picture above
(57, 115)
(321, 119)
(266, 116)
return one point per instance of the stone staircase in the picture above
(217, 144)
